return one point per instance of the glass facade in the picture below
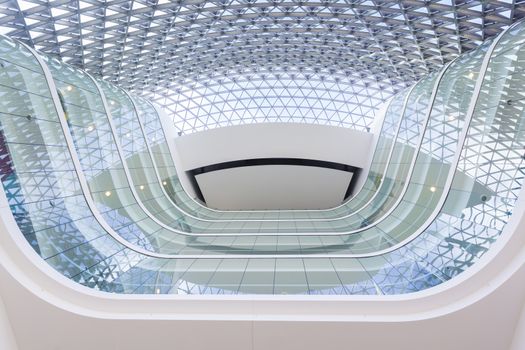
(90, 181)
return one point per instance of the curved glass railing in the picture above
(127, 127)
(387, 187)
(92, 136)
(478, 109)
(163, 160)
(151, 192)
(140, 166)
(159, 156)
(384, 197)
(268, 246)
(108, 197)
(112, 194)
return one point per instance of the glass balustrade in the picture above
(156, 140)
(68, 190)
(140, 166)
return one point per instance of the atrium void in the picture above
(334, 165)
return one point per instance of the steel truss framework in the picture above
(215, 63)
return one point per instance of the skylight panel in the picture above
(477, 8)
(110, 12)
(31, 21)
(57, 12)
(25, 5)
(230, 38)
(476, 20)
(506, 13)
(59, 26)
(137, 5)
(111, 24)
(35, 34)
(61, 38)
(5, 30)
(158, 12)
(85, 18)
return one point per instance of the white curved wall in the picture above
(482, 322)
(279, 185)
(478, 309)
(274, 140)
(274, 187)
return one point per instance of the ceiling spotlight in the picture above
(432, 189)
(107, 193)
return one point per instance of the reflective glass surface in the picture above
(72, 177)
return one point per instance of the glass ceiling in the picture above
(216, 63)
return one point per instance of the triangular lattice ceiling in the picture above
(225, 62)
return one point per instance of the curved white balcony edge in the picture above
(488, 295)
